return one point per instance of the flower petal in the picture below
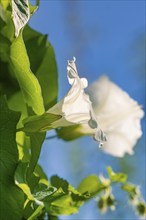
(76, 107)
(118, 114)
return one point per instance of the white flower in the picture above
(76, 107)
(118, 114)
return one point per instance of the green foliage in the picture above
(90, 185)
(28, 83)
(29, 80)
(36, 141)
(131, 189)
(12, 198)
(116, 177)
(43, 64)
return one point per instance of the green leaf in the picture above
(36, 140)
(43, 177)
(36, 213)
(43, 64)
(116, 177)
(4, 3)
(23, 141)
(132, 189)
(31, 178)
(56, 201)
(12, 198)
(11, 201)
(8, 85)
(60, 203)
(44, 192)
(20, 172)
(40, 123)
(62, 206)
(28, 83)
(34, 42)
(4, 48)
(2, 13)
(21, 179)
(35, 192)
(6, 22)
(67, 188)
(39, 175)
(54, 196)
(20, 14)
(90, 185)
(47, 76)
(60, 183)
(66, 200)
(33, 8)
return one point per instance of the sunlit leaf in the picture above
(90, 185)
(5, 3)
(6, 23)
(132, 190)
(116, 177)
(2, 13)
(29, 84)
(60, 203)
(33, 8)
(62, 206)
(75, 196)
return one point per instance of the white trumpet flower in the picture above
(76, 107)
(118, 114)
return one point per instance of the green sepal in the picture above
(40, 123)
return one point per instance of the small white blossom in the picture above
(76, 107)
